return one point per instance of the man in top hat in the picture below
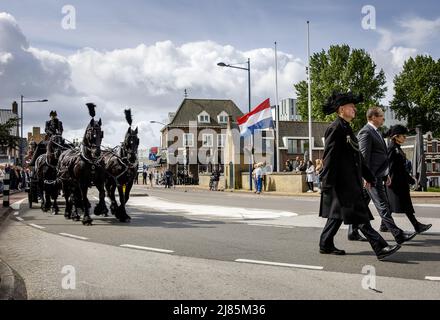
(53, 126)
(374, 150)
(342, 198)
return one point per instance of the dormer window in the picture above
(204, 117)
(222, 117)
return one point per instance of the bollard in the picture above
(6, 190)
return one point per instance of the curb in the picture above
(414, 195)
(7, 282)
(4, 213)
(12, 286)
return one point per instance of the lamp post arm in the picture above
(241, 68)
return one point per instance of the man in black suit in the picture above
(375, 153)
(342, 199)
(54, 125)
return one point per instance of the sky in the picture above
(143, 54)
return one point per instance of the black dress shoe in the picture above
(383, 229)
(404, 237)
(334, 250)
(423, 227)
(387, 251)
(356, 237)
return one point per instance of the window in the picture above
(222, 117)
(266, 144)
(434, 146)
(221, 138)
(429, 167)
(297, 146)
(188, 140)
(207, 140)
(204, 117)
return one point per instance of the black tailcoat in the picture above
(398, 191)
(54, 126)
(342, 195)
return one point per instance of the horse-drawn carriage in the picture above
(59, 166)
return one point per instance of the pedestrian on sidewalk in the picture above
(259, 177)
(150, 177)
(310, 172)
(216, 179)
(375, 152)
(342, 197)
(156, 177)
(254, 178)
(398, 189)
(318, 169)
(144, 176)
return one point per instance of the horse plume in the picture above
(128, 116)
(91, 107)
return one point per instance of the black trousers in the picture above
(380, 199)
(332, 226)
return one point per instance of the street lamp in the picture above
(158, 122)
(248, 69)
(152, 121)
(21, 124)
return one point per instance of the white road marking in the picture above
(206, 220)
(36, 226)
(146, 248)
(208, 210)
(16, 205)
(19, 219)
(432, 205)
(432, 278)
(73, 236)
(280, 264)
(269, 225)
(16, 213)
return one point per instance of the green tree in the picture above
(8, 140)
(417, 93)
(341, 69)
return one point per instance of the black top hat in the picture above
(396, 130)
(52, 113)
(338, 99)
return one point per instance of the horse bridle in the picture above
(84, 147)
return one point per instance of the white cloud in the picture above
(397, 46)
(25, 70)
(150, 79)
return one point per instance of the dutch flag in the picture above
(259, 118)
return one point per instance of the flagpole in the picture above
(309, 91)
(277, 116)
(251, 164)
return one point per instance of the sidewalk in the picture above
(11, 286)
(414, 194)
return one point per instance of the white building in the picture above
(391, 119)
(288, 110)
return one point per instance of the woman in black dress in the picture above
(398, 191)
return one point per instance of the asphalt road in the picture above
(217, 229)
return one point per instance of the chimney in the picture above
(15, 107)
(171, 116)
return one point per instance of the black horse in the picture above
(121, 170)
(80, 169)
(46, 173)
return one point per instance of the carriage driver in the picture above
(53, 126)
